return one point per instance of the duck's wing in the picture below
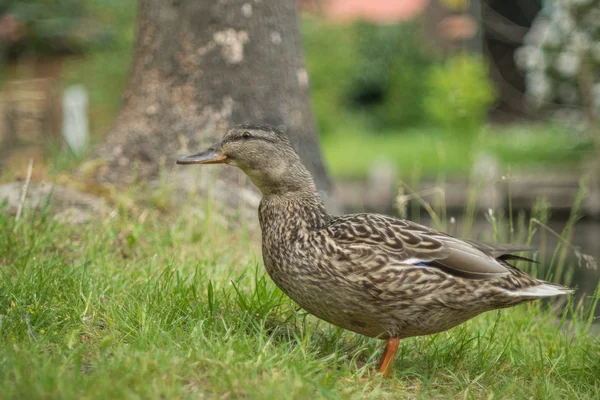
(504, 252)
(362, 237)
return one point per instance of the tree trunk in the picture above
(200, 67)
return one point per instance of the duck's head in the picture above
(264, 153)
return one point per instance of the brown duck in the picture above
(372, 274)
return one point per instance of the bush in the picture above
(50, 27)
(459, 94)
(561, 55)
(330, 54)
(366, 73)
(387, 85)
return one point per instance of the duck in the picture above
(372, 274)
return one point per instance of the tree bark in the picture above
(198, 68)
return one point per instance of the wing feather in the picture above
(365, 236)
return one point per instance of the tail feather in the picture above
(513, 257)
(544, 289)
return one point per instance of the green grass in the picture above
(141, 305)
(350, 153)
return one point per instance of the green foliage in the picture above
(366, 73)
(459, 94)
(387, 84)
(330, 54)
(54, 26)
(385, 77)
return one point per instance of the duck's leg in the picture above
(389, 355)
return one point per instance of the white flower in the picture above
(530, 58)
(564, 35)
(536, 32)
(539, 87)
(579, 43)
(521, 56)
(543, 34)
(567, 64)
(562, 19)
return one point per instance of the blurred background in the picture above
(474, 116)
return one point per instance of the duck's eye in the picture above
(246, 135)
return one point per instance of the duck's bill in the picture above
(205, 157)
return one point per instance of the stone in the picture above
(67, 204)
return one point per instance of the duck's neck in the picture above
(293, 210)
(290, 200)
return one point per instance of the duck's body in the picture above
(377, 275)
(372, 274)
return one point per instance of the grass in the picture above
(351, 154)
(142, 305)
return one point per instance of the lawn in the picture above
(142, 305)
(351, 154)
